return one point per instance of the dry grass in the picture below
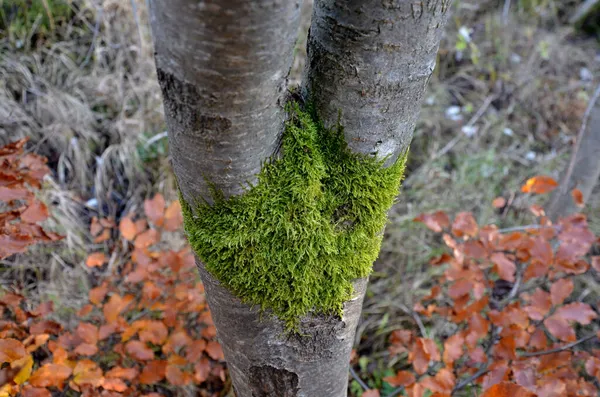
(87, 95)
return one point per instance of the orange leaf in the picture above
(436, 221)
(507, 389)
(539, 185)
(155, 208)
(173, 217)
(122, 373)
(371, 393)
(96, 259)
(11, 350)
(592, 367)
(36, 212)
(36, 392)
(177, 377)
(402, 378)
(443, 382)
(87, 372)
(453, 349)
(97, 294)
(577, 197)
(86, 349)
(154, 332)
(561, 290)
(499, 202)
(147, 238)
(88, 332)
(50, 375)
(128, 229)
(153, 372)
(214, 350)
(424, 351)
(464, 225)
(139, 351)
(115, 305)
(115, 384)
(202, 370)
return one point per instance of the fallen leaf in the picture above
(155, 208)
(96, 259)
(153, 372)
(50, 375)
(577, 197)
(36, 212)
(561, 290)
(499, 202)
(139, 351)
(539, 185)
(464, 225)
(436, 221)
(128, 229)
(173, 217)
(213, 349)
(507, 389)
(402, 378)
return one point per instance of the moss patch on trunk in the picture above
(313, 223)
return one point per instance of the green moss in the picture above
(314, 222)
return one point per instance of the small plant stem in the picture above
(358, 379)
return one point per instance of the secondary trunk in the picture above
(583, 170)
(222, 66)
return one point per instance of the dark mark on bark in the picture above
(181, 99)
(268, 381)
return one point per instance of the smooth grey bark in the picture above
(222, 67)
(369, 61)
(583, 170)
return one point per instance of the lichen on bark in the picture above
(294, 242)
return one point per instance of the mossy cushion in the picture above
(294, 242)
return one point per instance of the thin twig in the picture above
(525, 228)
(396, 391)
(358, 379)
(416, 317)
(482, 371)
(470, 123)
(560, 349)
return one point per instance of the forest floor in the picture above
(505, 103)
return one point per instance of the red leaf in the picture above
(153, 372)
(507, 389)
(505, 267)
(561, 290)
(139, 351)
(577, 197)
(464, 225)
(371, 393)
(402, 378)
(36, 212)
(453, 349)
(539, 185)
(128, 229)
(436, 221)
(424, 351)
(214, 351)
(560, 328)
(155, 208)
(579, 312)
(50, 375)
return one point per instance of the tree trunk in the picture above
(583, 170)
(222, 67)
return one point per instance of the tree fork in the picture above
(223, 67)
